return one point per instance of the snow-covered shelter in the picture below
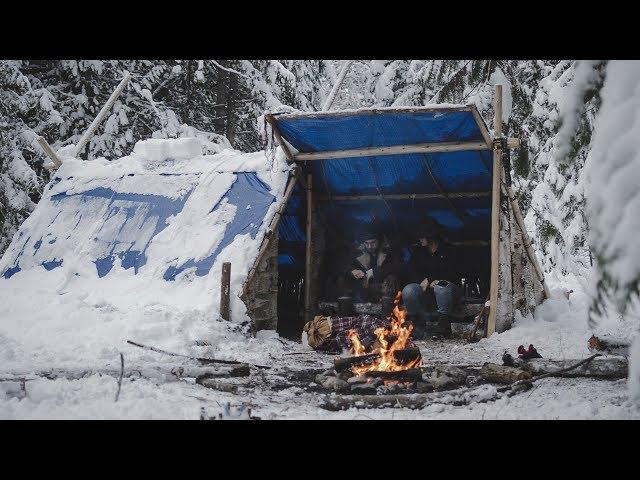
(165, 218)
(395, 166)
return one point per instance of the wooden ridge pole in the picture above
(392, 150)
(495, 213)
(307, 265)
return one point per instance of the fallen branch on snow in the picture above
(199, 359)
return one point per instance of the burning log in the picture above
(403, 356)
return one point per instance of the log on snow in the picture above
(413, 401)
(601, 367)
(495, 373)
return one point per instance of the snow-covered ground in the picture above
(87, 336)
(70, 320)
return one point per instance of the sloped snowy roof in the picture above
(164, 212)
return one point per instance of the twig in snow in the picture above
(121, 375)
(200, 359)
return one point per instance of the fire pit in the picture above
(392, 364)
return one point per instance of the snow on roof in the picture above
(165, 214)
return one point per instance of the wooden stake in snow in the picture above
(103, 112)
(225, 290)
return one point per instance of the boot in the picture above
(444, 326)
(387, 306)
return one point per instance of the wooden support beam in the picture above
(525, 239)
(401, 196)
(50, 153)
(271, 229)
(276, 133)
(225, 291)
(394, 150)
(495, 214)
(307, 265)
(103, 112)
(482, 126)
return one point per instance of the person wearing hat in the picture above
(373, 271)
(432, 293)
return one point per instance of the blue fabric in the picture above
(465, 171)
(247, 191)
(133, 204)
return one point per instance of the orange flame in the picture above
(391, 339)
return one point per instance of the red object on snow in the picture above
(524, 354)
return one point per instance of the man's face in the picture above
(423, 242)
(371, 245)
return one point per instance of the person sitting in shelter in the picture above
(374, 271)
(432, 295)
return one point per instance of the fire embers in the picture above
(392, 351)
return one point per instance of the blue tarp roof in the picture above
(466, 218)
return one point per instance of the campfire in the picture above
(392, 345)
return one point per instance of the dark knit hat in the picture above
(367, 233)
(429, 228)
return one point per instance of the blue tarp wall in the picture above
(451, 172)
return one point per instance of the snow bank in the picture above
(133, 249)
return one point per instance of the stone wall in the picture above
(261, 295)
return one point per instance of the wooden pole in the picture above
(307, 266)
(271, 230)
(401, 196)
(525, 238)
(225, 290)
(393, 150)
(50, 153)
(103, 112)
(495, 214)
(276, 132)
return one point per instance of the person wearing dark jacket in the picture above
(373, 271)
(432, 271)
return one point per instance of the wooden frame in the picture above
(495, 214)
(401, 196)
(394, 150)
(487, 143)
(307, 263)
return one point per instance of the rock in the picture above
(423, 387)
(321, 378)
(335, 384)
(376, 382)
(444, 378)
(345, 375)
(357, 379)
(363, 389)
